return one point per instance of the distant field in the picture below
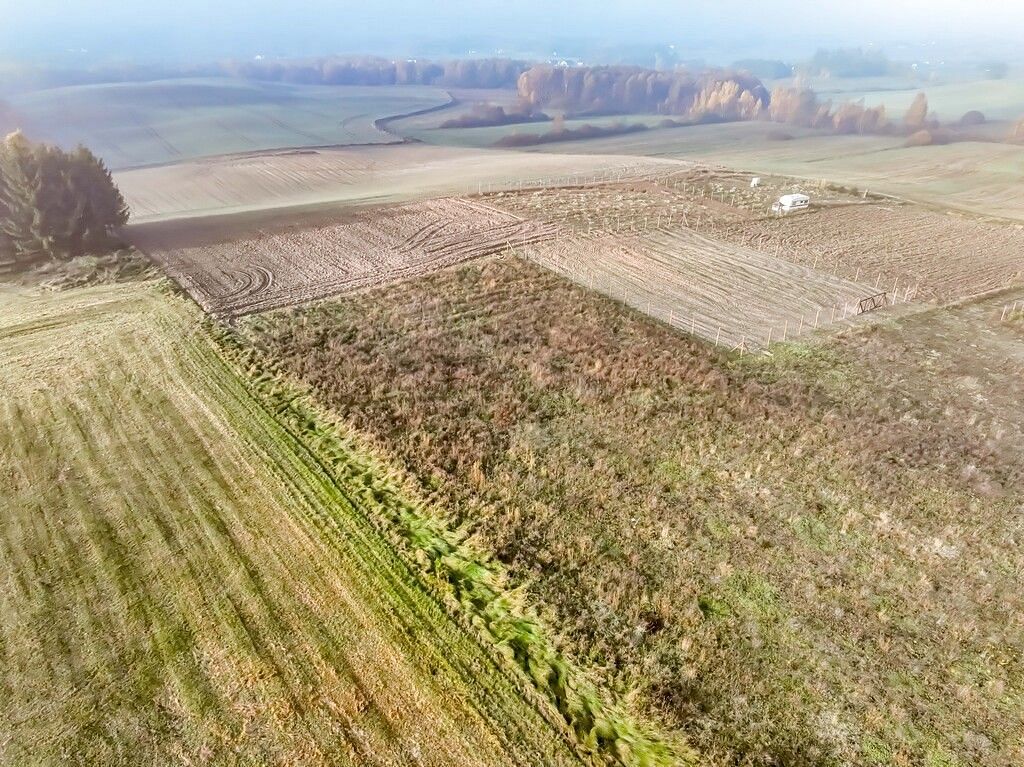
(354, 176)
(997, 99)
(181, 582)
(132, 124)
(983, 178)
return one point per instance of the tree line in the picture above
(728, 95)
(344, 70)
(583, 91)
(55, 204)
(706, 96)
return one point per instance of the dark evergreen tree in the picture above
(55, 204)
(19, 191)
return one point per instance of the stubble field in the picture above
(183, 582)
(728, 294)
(981, 178)
(348, 176)
(946, 257)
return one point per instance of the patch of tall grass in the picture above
(463, 577)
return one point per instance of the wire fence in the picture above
(737, 334)
(1012, 312)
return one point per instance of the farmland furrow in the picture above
(275, 270)
(722, 292)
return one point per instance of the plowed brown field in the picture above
(948, 256)
(270, 269)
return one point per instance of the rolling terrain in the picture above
(151, 123)
(466, 459)
(352, 176)
(978, 177)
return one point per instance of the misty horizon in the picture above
(97, 33)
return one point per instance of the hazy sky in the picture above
(213, 28)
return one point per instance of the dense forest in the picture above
(55, 204)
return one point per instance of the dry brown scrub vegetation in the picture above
(561, 133)
(795, 561)
(486, 115)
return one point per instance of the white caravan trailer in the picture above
(791, 202)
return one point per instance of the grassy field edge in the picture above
(473, 587)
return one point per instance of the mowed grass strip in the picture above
(792, 560)
(180, 582)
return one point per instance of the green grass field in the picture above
(132, 124)
(181, 581)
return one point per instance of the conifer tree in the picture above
(55, 204)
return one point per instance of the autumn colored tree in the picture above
(796, 106)
(916, 117)
(592, 90)
(1017, 132)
